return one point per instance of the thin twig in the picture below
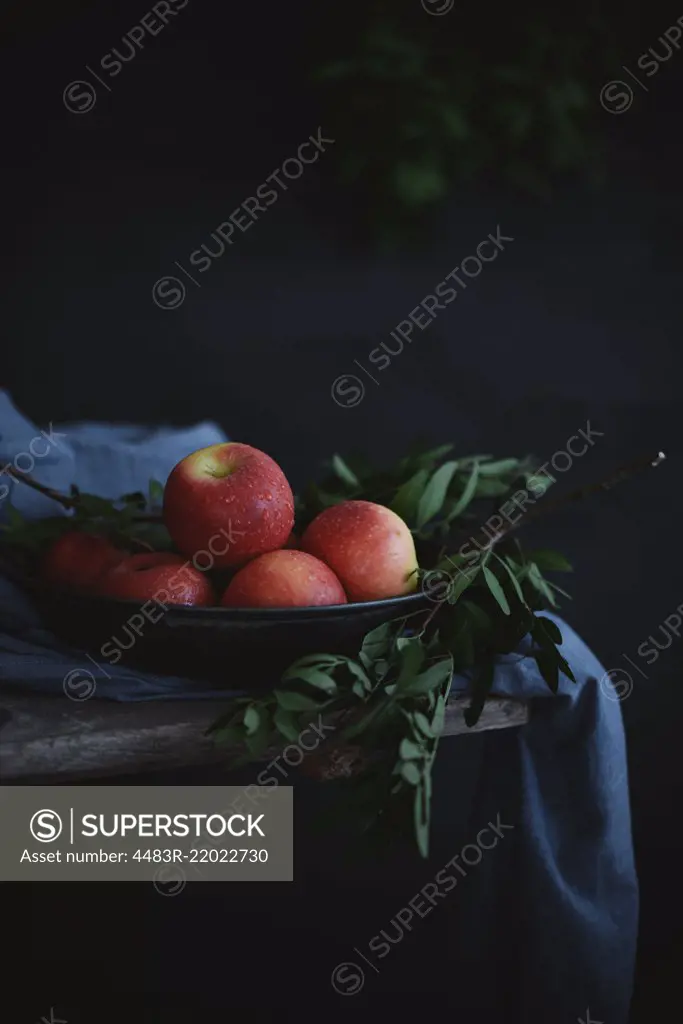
(67, 501)
(544, 508)
(24, 478)
(624, 473)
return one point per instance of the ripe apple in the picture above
(77, 560)
(157, 576)
(368, 546)
(228, 502)
(283, 579)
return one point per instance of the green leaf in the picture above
(381, 668)
(551, 561)
(344, 472)
(94, 506)
(412, 656)
(565, 667)
(411, 773)
(407, 498)
(436, 675)
(480, 619)
(428, 459)
(314, 677)
(231, 735)
(538, 485)
(499, 467)
(410, 751)
(481, 687)
(467, 494)
(360, 676)
(513, 579)
(464, 579)
(422, 723)
(539, 584)
(377, 710)
(252, 720)
(439, 717)
(458, 638)
(258, 734)
(550, 628)
(455, 561)
(155, 493)
(434, 494)
(315, 661)
(491, 488)
(404, 641)
(290, 700)
(257, 744)
(285, 723)
(497, 591)
(548, 667)
(376, 644)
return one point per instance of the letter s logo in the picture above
(45, 826)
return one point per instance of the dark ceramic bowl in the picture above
(240, 647)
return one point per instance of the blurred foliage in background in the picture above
(490, 94)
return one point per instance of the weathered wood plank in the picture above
(57, 740)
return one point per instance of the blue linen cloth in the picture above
(579, 882)
(578, 875)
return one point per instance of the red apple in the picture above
(368, 546)
(157, 576)
(292, 542)
(228, 503)
(283, 579)
(77, 560)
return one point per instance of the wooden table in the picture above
(53, 739)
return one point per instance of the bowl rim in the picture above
(217, 612)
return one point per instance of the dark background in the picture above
(579, 319)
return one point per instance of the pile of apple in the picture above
(230, 507)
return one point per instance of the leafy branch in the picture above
(132, 520)
(393, 695)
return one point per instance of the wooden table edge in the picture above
(62, 740)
